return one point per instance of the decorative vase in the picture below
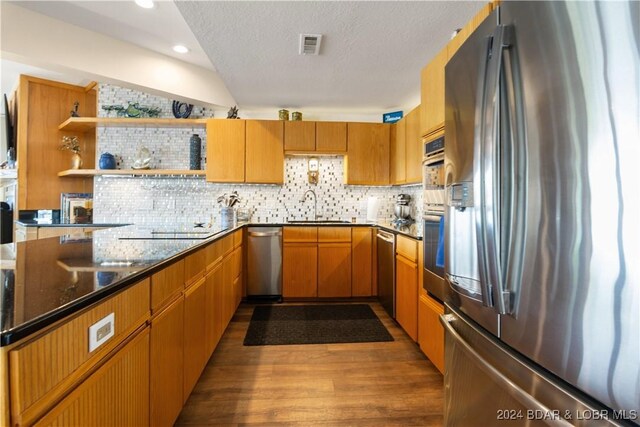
(195, 147)
(283, 114)
(296, 116)
(76, 161)
(107, 161)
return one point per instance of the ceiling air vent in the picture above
(310, 44)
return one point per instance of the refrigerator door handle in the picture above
(514, 151)
(491, 173)
(478, 179)
(506, 384)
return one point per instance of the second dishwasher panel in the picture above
(264, 262)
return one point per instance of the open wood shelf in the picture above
(76, 173)
(83, 124)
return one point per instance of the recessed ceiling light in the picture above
(147, 4)
(180, 49)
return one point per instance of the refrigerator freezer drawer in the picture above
(488, 384)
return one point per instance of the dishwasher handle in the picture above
(265, 233)
(387, 237)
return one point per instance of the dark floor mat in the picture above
(315, 324)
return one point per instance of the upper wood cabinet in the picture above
(299, 136)
(413, 149)
(466, 31)
(432, 93)
(264, 152)
(367, 160)
(225, 150)
(331, 137)
(397, 153)
(432, 76)
(315, 137)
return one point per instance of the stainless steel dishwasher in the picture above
(386, 265)
(264, 263)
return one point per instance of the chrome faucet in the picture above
(315, 202)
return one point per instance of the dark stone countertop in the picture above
(62, 275)
(34, 223)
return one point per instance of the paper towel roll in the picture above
(372, 209)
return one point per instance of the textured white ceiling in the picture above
(371, 56)
(157, 29)
(370, 60)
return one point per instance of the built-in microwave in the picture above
(433, 173)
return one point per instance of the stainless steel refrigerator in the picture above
(542, 217)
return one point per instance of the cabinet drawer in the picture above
(213, 254)
(227, 245)
(407, 247)
(300, 234)
(334, 234)
(237, 238)
(165, 284)
(44, 368)
(194, 266)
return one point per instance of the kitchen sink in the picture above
(318, 221)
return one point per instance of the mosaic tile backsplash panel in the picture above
(184, 201)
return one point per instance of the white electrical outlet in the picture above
(101, 331)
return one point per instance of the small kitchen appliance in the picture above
(402, 210)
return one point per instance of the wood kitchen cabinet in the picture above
(362, 261)
(300, 262)
(465, 32)
(195, 344)
(331, 137)
(397, 152)
(166, 364)
(405, 158)
(432, 93)
(432, 76)
(431, 332)
(264, 152)
(166, 284)
(116, 394)
(367, 161)
(413, 147)
(62, 353)
(225, 150)
(334, 262)
(299, 136)
(407, 285)
(315, 137)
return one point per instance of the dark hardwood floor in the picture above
(360, 384)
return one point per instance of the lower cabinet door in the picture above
(334, 269)
(195, 344)
(117, 394)
(407, 296)
(166, 364)
(431, 331)
(300, 270)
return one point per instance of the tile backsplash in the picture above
(183, 201)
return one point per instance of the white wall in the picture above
(38, 40)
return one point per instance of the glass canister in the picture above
(296, 116)
(283, 114)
